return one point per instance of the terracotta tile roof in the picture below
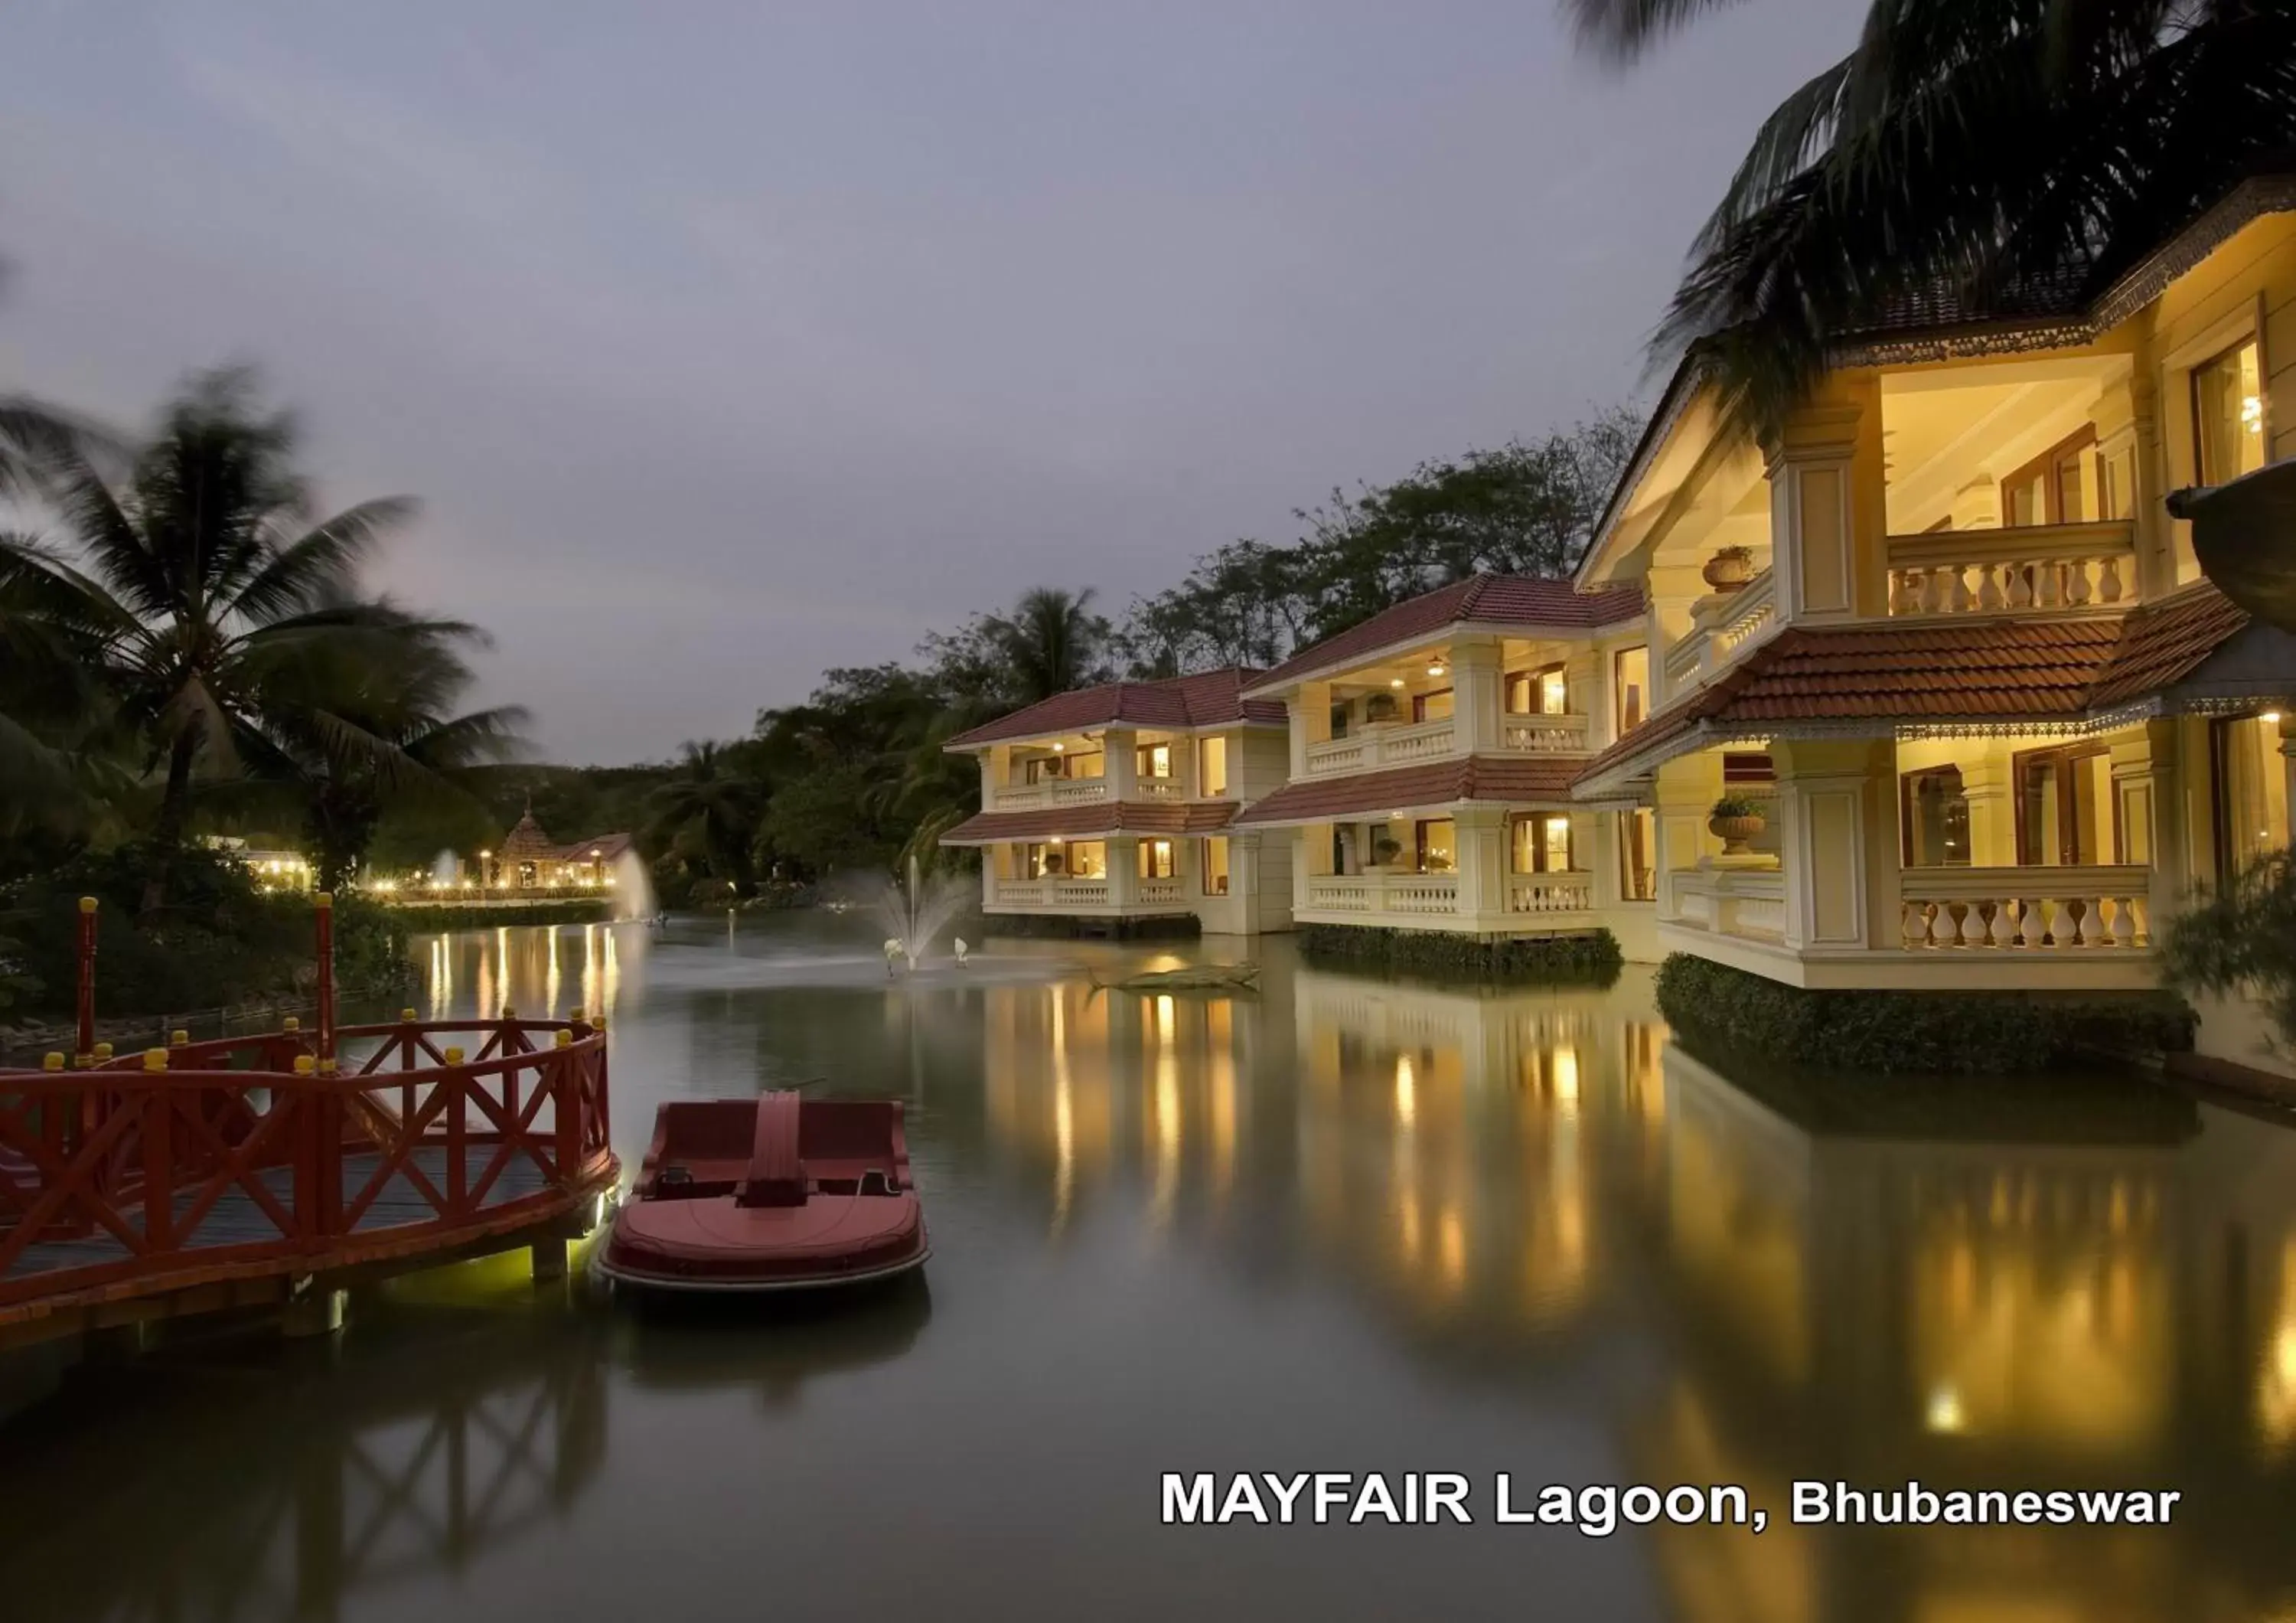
(1093, 822)
(1512, 600)
(1981, 671)
(1209, 698)
(1509, 778)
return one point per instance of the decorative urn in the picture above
(1734, 821)
(1729, 570)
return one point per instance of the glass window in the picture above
(1155, 760)
(1155, 858)
(1077, 763)
(2064, 806)
(1542, 844)
(1212, 768)
(2251, 792)
(2052, 488)
(1439, 845)
(2228, 416)
(1543, 693)
(1630, 677)
(1213, 861)
(1434, 707)
(1078, 860)
(1637, 854)
(1936, 814)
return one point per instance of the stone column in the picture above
(1243, 878)
(1481, 834)
(1987, 784)
(995, 772)
(1123, 871)
(1119, 762)
(2143, 796)
(1840, 875)
(1310, 713)
(1828, 509)
(1477, 693)
(1683, 794)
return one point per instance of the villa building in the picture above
(2005, 727)
(1112, 805)
(1432, 750)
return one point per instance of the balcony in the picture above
(1746, 903)
(1051, 792)
(1386, 744)
(2034, 568)
(1720, 627)
(2027, 910)
(1535, 902)
(1094, 897)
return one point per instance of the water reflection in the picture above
(1403, 1227)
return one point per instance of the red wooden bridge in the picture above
(282, 1167)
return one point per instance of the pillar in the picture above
(1119, 762)
(2143, 796)
(1243, 878)
(1310, 713)
(995, 772)
(1682, 798)
(1123, 871)
(1478, 693)
(1482, 836)
(1840, 871)
(1829, 517)
(1987, 783)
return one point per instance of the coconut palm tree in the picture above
(225, 616)
(1050, 642)
(1966, 155)
(710, 807)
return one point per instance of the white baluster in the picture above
(2064, 929)
(1988, 589)
(2124, 925)
(2032, 924)
(1961, 600)
(2076, 582)
(2021, 586)
(2141, 909)
(2108, 583)
(2005, 929)
(2052, 592)
(1944, 930)
(1973, 924)
(1915, 925)
(1933, 598)
(1902, 593)
(2092, 924)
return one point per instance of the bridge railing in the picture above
(249, 1155)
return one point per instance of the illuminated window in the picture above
(1542, 844)
(1541, 693)
(1155, 858)
(1431, 706)
(1936, 818)
(2051, 489)
(1078, 860)
(2064, 806)
(1212, 768)
(1630, 675)
(1155, 761)
(1437, 846)
(2251, 784)
(1637, 854)
(2228, 414)
(1213, 860)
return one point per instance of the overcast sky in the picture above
(727, 341)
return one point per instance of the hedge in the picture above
(1940, 1033)
(1159, 927)
(423, 917)
(1593, 959)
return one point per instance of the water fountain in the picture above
(446, 870)
(633, 887)
(916, 913)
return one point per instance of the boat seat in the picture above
(873, 1182)
(776, 1173)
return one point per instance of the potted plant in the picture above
(1385, 850)
(1055, 864)
(1735, 820)
(1729, 570)
(1380, 707)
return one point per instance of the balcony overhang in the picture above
(1516, 782)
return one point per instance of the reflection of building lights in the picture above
(1566, 1076)
(1453, 1243)
(1944, 1412)
(1407, 1089)
(1164, 1018)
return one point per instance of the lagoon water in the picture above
(1341, 1225)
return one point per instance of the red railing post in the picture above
(566, 1107)
(325, 903)
(84, 1003)
(457, 1081)
(157, 1126)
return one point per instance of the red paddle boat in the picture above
(776, 1193)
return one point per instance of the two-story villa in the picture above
(1113, 805)
(2007, 727)
(1432, 751)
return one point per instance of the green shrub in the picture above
(1593, 959)
(1715, 1007)
(2243, 937)
(1738, 806)
(423, 917)
(217, 941)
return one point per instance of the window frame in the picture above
(2253, 339)
(1540, 849)
(2065, 760)
(1204, 865)
(1419, 827)
(2047, 467)
(1206, 747)
(1144, 863)
(1618, 687)
(1419, 704)
(1630, 887)
(1907, 821)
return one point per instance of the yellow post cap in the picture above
(304, 1064)
(406, 1014)
(52, 1061)
(509, 1013)
(103, 1051)
(155, 1059)
(575, 1015)
(178, 1037)
(87, 904)
(565, 1038)
(325, 898)
(598, 1020)
(290, 1024)
(453, 1056)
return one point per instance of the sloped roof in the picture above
(608, 846)
(1093, 822)
(1984, 672)
(1209, 698)
(1508, 600)
(1467, 779)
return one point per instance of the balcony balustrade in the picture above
(1720, 627)
(1746, 903)
(2041, 567)
(2027, 910)
(1388, 743)
(1051, 792)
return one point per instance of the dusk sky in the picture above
(726, 342)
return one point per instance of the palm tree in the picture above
(1989, 155)
(710, 806)
(1050, 643)
(228, 620)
